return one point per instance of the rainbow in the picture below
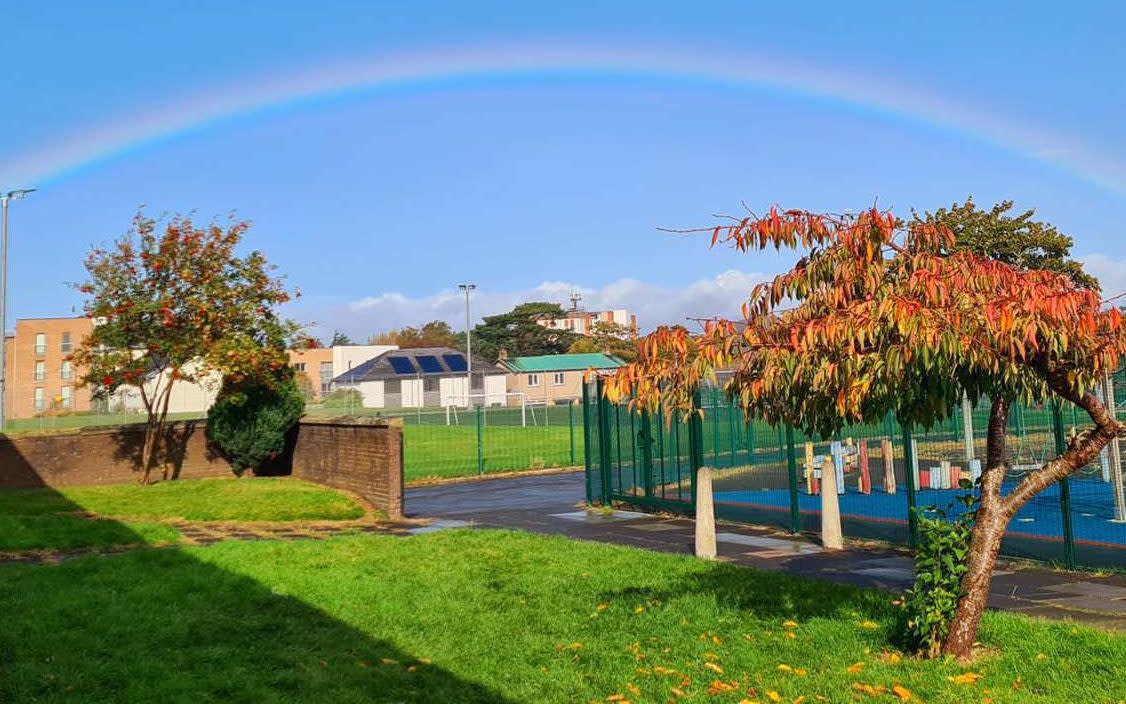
(88, 148)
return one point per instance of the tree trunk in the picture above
(989, 528)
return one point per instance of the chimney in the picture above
(502, 354)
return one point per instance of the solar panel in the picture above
(456, 362)
(402, 365)
(429, 364)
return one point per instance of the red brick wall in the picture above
(361, 456)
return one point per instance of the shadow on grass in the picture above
(767, 595)
(163, 625)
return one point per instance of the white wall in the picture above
(451, 390)
(186, 397)
(412, 393)
(344, 357)
(372, 393)
(496, 385)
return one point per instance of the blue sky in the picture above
(376, 199)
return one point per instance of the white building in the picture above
(430, 376)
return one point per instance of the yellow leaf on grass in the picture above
(894, 658)
(602, 607)
(616, 698)
(773, 696)
(663, 670)
(903, 693)
(640, 609)
(719, 687)
(870, 625)
(388, 661)
(633, 689)
(676, 692)
(789, 624)
(799, 671)
(966, 678)
(855, 668)
(800, 699)
(713, 667)
(790, 634)
(785, 668)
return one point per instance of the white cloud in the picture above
(652, 303)
(1111, 273)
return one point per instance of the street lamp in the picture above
(5, 198)
(468, 347)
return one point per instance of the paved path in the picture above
(554, 504)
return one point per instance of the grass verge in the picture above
(60, 518)
(489, 616)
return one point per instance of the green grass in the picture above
(479, 616)
(46, 518)
(74, 421)
(451, 451)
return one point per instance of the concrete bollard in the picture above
(831, 535)
(705, 515)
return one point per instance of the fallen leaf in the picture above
(676, 692)
(663, 670)
(773, 696)
(388, 661)
(640, 609)
(790, 634)
(602, 607)
(903, 693)
(870, 625)
(965, 678)
(785, 668)
(855, 668)
(789, 624)
(633, 689)
(714, 667)
(616, 698)
(720, 687)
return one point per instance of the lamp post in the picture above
(5, 198)
(468, 347)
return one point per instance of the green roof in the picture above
(562, 362)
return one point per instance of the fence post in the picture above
(695, 442)
(604, 440)
(1065, 490)
(792, 467)
(909, 477)
(480, 442)
(571, 427)
(586, 442)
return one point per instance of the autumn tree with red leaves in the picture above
(881, 316)
(173, 302)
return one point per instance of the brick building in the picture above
(39, 376)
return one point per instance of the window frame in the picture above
(533, 380)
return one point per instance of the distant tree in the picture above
(436, 333)
(249, 421)
(518, 333)
(174, 302)
(307, 342)
(609, 338)
(339, 338)
(304, 386)
(1017, 240)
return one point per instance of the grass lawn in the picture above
(451, 451)
(46, 518)
(489, 616)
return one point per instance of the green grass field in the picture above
(498, 617)
(130, 514)
(451, 451)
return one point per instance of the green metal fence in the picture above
(458, 442)
(770, 475)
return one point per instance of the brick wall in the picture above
(343, 452)
(362, 456)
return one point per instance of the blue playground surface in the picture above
(1092, 506)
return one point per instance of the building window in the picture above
(392, 386)
(40, 343)
(68, 397)
(429, 383)
(39, 399)
(559, 378)
(533, 380)
(40, 370)
(299, 366)
(477, 382)
(65, 346)
(67, 371)
(326, 377)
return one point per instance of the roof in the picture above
(562, 362)
(413, 363)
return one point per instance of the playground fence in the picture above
(770, 475)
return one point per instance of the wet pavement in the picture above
(553, 504)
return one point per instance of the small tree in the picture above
(339, 338)
(249, 421)
(610, 338)
(173, 302)
(880, 317)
